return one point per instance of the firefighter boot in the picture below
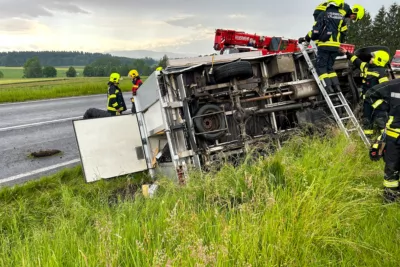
(391, 195)
(337, 89)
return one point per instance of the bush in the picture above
(49, 72)
(71, 72)
(1, 74)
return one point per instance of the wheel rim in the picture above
(211, 122)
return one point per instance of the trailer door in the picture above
(110, 147)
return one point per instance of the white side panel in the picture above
(110, 147)
(153, 118)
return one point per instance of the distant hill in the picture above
(61, 58)
(148, 53)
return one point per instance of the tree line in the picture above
(104, 66)
(58, 58)
(382, 30)
(101, 67)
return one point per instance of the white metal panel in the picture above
(147, 93)
(110, 147)
(186, 62)
(153, 119)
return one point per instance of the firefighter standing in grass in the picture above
(373, 73)
(390, 93)
(329, 30)
(137, 82)
(116, 103)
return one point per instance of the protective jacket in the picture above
(346, 11)
(390, 93)
(137, 82)
(372, 74)
(329, 29)
(115, 98)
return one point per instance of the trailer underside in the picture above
(225, 108)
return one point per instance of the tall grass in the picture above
(47, 89)
(316, 202)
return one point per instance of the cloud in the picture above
(37, 8)
(175, 25)
(21, 26)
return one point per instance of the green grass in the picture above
(314, 203)
(18, 72)
(34, 89)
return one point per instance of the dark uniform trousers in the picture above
(324, 66)
(392, 166)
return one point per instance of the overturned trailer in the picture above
(199, 109)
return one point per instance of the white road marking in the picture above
(49, 100)
(57, 99)
(37, 124)
(23, 175)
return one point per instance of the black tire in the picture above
(92, 113)
(241, 70)
(365, 53)
(210, 123)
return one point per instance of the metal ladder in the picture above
(332, 107)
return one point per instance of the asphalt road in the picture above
(28, 127)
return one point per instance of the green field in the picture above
(314, 203)
(17, 90)
(18, 72)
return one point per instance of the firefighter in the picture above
(137, 82)
(390, 93)
(329, 30)
(116, 103)
(354, 13)
(373, 73)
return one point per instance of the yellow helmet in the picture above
(159, 69)
(114, 77)
(380, 58)
(133, 73)
(359, 11)
(338, 3)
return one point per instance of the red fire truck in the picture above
(230, 41)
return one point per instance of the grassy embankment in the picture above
(314, 203)
(17, 89)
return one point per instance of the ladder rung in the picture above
(351, 130)
(333, 94)
(340, 106)
(345, 118)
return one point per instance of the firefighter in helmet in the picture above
(354, 13)
(389, 92)
(329, 30)
(137, 82)
(116, 103)
(373, 73)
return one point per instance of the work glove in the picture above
(374, 152)
(302, 40)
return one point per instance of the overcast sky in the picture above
(168, 26)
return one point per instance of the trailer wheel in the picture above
(210, 123)
(241, 70)
(92, 113)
